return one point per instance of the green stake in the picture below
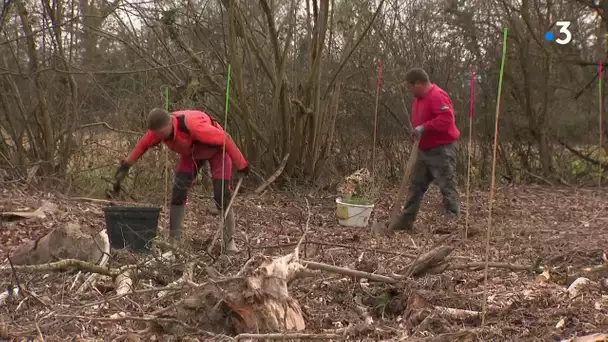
(485, 282)
(227, 94)
(167, 98)
(225, 135)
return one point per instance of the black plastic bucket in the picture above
(131, 227)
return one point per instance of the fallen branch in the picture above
(347, 271)
(273, 177)
(38, 213)
(279, 337)
(428, 260)
(578, 154)
(332, 244)
(125, 318)
(477, 266)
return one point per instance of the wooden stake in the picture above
(376, 125)
(471, 97)
(485, 281)
(601, 105)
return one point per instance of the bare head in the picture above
(417, 81)
(159, 121)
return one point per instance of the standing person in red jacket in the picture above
(197, 138)
(434, 125)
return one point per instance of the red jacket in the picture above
(195, 134)
(434, 111)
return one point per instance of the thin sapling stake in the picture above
(601, 105)
(376, 124)
(166, 96)
(472, 87)
(493, 185)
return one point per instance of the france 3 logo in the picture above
(564, 35)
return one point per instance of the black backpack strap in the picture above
(181, 124)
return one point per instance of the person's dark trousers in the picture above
(185, 175)
(436, 164)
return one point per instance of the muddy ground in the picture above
(564, 228)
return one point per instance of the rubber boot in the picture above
(229, 227)
(404, 222)
(176, 220)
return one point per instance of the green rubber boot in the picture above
(176, 220)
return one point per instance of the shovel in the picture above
(405, 182)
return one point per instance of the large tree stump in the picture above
(258, 303)
(65, 242)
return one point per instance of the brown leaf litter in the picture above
(557, 230)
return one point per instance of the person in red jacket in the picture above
(197, 138)
(434, 126)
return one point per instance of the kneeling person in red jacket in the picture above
(197, 138)
(434, 125)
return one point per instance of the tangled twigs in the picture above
(63, 265)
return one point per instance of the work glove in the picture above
(122, 172)
(417, 132)
(243, 173)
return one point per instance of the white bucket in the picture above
(353, 215)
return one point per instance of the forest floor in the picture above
(565, 228)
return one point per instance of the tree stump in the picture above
(258, 303)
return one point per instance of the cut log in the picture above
(65, 242)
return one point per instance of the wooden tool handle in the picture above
(405, 182)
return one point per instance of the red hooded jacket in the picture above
(434, 111)
(195, 134)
